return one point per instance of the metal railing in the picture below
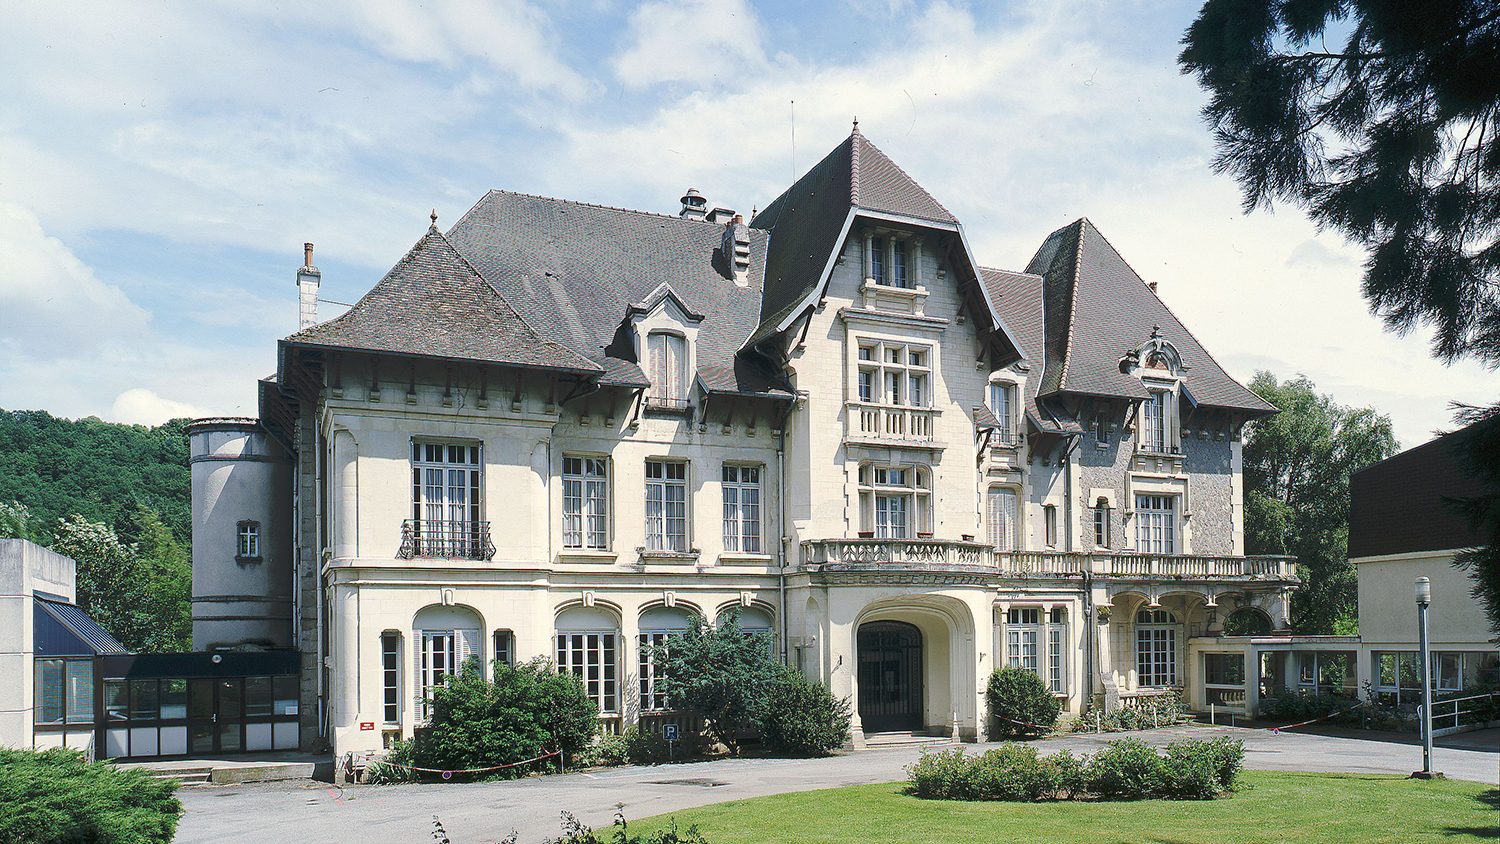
(445, 539)
(1448, 715)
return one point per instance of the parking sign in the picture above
(669, 732)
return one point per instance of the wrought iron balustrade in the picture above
(427, 538)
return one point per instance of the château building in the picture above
(561, 430)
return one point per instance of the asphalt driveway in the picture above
(475, 813)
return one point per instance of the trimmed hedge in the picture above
(54, 797)
(1124, 770)
(1020, 703)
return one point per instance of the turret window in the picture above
(248, 545)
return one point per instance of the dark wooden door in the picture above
(890, 676)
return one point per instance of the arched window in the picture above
(588, 646)
(1156, 634)
(1002, 507)
(1247, 621)
(443, 639)
(666, 356)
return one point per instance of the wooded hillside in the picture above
(105, 472)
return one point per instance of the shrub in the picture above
(577, 832)
(1012, 772)
(801, 717)
(1018, 699)
(1127, 769)
(528, 710)
(1288, 705)
(944, 775)
(387, 772)
(1069, 772)
(1162, 711)
(54, 797)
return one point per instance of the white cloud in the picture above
(54, 306)
(690, 41)
(144, 407)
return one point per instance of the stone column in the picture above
(914, 272)
(866, 255)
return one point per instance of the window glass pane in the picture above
(285, 692)
(145, 705)
(257, 697)
(174, 698)
(116, 700)
(80, 692)
(229, 698)
(49, 691)
(200, 698)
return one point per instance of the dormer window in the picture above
(898, 264)
(666, 357)
(877, 259)
(893, 259)
(1154, 422)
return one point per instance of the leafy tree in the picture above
(1297, 468)
(528, 710)
(720, 673)
(138, 592)
(15, 521)
(1394, 141)
(1479, 448)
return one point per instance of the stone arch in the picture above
(949, 655)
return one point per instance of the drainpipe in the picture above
(781, 521)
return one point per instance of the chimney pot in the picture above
(1152, 285)
(308, 281)
(307, 254)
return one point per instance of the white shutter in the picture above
(468, 645)
(418, 649)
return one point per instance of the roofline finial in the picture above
(856, 124)
(434, 219)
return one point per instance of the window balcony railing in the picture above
(666, 404)
(424, 538)
(891, 423)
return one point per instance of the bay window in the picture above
(896, 374)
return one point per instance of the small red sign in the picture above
(367, 725)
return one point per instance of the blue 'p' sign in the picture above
(669, 732)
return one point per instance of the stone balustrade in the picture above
(939, 553)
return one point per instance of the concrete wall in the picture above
(1388, 609)
(25, 569)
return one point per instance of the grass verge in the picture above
(1269, 807)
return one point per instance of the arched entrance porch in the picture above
(915, 666)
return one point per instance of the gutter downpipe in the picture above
(781, 522)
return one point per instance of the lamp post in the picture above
(1424, 662)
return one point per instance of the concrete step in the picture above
(186, 776)
(220, 772)
(887, 741)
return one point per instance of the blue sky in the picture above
(161, 164)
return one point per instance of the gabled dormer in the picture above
(664, 333)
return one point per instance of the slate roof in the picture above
(1097, 309)
(807, 218)
(433, 304)
(574, 270)
(1399, 506)
(1018, 299)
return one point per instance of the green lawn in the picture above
(1268, 807)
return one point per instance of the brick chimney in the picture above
(308, 281)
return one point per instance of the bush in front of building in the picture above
(1124, 770)
(55, 797)
(1304, 705)
(1020, 703)
(1161, 711)
(528, 710)
(577, 832)
(801, 717)
(632, 747)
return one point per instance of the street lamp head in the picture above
(1424, 590)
